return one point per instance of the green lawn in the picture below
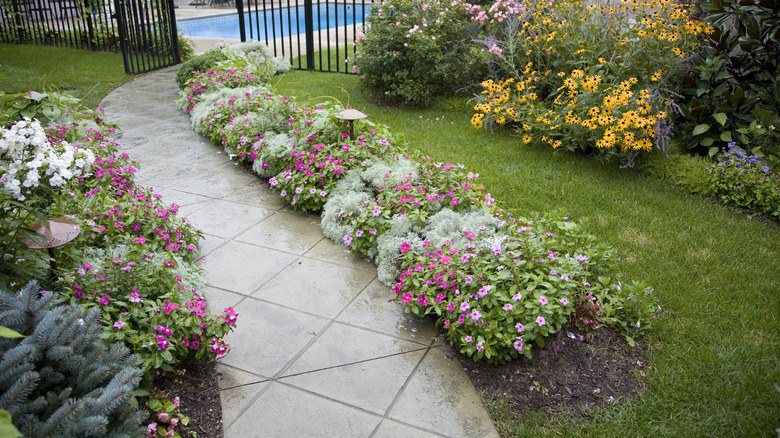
(83, 74)
(714, 350)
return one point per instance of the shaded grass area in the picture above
(714, 349)
(86, 75)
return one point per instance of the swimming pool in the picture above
(280, 22)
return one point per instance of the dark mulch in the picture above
(568, 374)
(198, 397)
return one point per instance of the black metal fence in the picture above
(313, 34)
(83, 24)
(144, 30)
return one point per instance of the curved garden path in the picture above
(319, 349)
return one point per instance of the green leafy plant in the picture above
(731, 92)
(48, 108)
(414, 50)
(166, 416)
(742, 179)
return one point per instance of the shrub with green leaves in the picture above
(742, 179)
(510, 285)
(59, 379)
(198, 64)
(731, 93)
(414, 50)
(47, 108)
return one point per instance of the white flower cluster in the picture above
(27, 159)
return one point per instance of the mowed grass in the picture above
(713, 350)
(86, 75)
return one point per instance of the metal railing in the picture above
(144, 30)
(83, 24)
(313, 34)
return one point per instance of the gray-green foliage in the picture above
(59, 380)
(280, 63)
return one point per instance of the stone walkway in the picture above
(319, 350)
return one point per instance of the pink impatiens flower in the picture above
(119, 324)
(540, 321)
(405, 247)
(543, 300)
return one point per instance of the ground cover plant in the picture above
(132, 266)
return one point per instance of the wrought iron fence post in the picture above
(241, 27)
(121, 19)
(20, 28)
(308, 10)
(174, 34)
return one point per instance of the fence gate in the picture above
(147, 34)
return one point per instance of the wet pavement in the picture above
(320, 349)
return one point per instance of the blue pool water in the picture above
(281, 22)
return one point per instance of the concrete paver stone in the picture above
(320, 349)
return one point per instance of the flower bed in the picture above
(134, 261)
(498, 284)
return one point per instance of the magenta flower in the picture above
(230, 316)
(347, 240)
(479, 345)
(508, 307)
(475, 315)
(454, 202)
(468, 338)
(519, 345)
(464, 306)
(520, 327)
(135, 297)
(104, 300)
(163, 330)
(163, 416)
(543, 300)
(119, 324)
(564, 301)
(540, 320)
(517, 297)
(406, 247)
(377, 211)
(169, 307)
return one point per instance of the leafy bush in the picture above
(414, 50)
(731, 92)
(61, 380)
(591, 77)
(45, 107)
(743, 180)
(509, 286)
(198, 64)
(251, 54)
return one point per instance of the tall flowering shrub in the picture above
(414, 50)
(592, 77)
